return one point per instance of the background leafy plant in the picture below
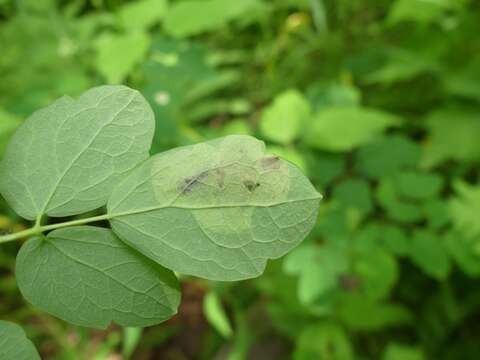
(401, 186)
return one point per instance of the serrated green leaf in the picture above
(344, 128)
(387, 155)
(217, 210)
(187, 17)
(284, 119)
(65, 158)
(88, 277)
(14, 344)
(428, 252)
(117, 54)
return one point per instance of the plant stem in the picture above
(37, 229)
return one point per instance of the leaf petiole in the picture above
(37, 229)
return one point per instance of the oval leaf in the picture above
(14, 344)
(65, 158)
(217, 210)
(88, 277)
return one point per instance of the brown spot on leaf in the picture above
(251, 185)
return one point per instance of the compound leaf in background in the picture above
(464, 209)
(65, 158)
(344, 128)
(428, 252)
(217, 210)
(284, 120)
(141, 15)
(14, 344)
(453, 135)
(88, 277)
(323, 341)
(386, 155)
(117, 54)
(190, 17)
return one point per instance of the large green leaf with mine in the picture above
(65, 158)
(218, 210)
(14, 344)
(88, 277)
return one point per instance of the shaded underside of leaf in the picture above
(88, 277)
(14, 344)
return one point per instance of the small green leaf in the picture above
(465, 207)
(418, 186)
(354, 193)
(344, 128)
(396, 351)
(117, 54)
(217, 210)
(190, 17)
(215, 314)
(465, 252)
(86, 276)
(387, 155)
(428, 252)
(418, 10)
(453, 135)
(284, 119)
(14, 344)
(65, 158)
(323, 341)
(140, 15)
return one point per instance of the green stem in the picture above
(37, 229)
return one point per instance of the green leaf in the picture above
(397, 208)
(217, 210)
(65, 158)
(88, 277)
(428, 252)
(386, 156)
(354, 193)
(291, 154)
(465, 252)
(453, 135)
(394, 239)
(323, 96)
(418, 186)
(215, 314)
(361, 313)
(284, 120)
(418, 10)
(396, 351)
(378, 271)
(14, 344)
(323, 341)
(190, 17)
(118, 54)
(141, 15)
(344, 128)
(465, 207)
(318, 268)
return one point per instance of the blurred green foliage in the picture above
(378, 101)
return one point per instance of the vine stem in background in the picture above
(36, 230)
